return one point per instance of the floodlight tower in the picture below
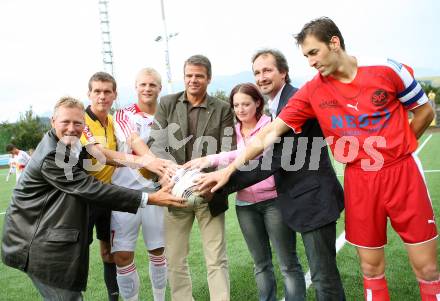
(107, 53)
(167, 52)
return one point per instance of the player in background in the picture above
(362, 109)
(21, 159)
(132, 129)
(11, 169)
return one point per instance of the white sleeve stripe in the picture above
(408, 89)
(420, 101)
(120, 135)
(118, 121)
(411, 94)
(122, 123)
(414, 99)
(402, 72)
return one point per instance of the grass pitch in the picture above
(16, 286)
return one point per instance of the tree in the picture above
(220, 94)
(28, 131)
(5, 135)
(428, 88)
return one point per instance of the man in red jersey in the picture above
(362, 110)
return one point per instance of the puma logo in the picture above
(431, 221)
(353, 106)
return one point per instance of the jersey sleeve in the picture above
(297, 110)
(410, 92)
(124, 125)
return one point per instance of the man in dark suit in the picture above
(309, 195)
(45, 232)
(192, 124)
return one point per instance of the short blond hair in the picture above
(150, 71)
(67, 102)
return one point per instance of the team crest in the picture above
(379, 97)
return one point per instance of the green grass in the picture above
(401, 281)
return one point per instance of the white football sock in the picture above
(158, 276)
(128, 282)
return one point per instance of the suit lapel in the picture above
(205, 116)
(287, 92)
(182, 115)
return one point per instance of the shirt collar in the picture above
(136, 108)
(273, 103)
(203, 104)
(91, 114)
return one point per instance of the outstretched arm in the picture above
(264, 138)
(115, 158)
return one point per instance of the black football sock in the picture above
(110, 281)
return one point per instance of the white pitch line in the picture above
(340, 242)
(423, 144)
(2, 213)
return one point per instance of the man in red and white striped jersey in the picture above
(132, 130)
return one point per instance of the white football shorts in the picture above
(125, 227)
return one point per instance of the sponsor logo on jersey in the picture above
(329, 104)
(379, 97)
(355, 107)
(370, 122)
(88, 135)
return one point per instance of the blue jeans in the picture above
(320, 249)
(261, 223)
(51, 293)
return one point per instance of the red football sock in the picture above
(429, 290)
(375, 289)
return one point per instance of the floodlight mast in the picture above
(167, 52)
(107, 53)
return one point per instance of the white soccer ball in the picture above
(184, 184)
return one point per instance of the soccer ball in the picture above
(184, 184)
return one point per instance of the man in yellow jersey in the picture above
(99, 131)
(100, 141)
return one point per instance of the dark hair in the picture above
(251, 90)
(102, 77)
(10, 147)
(199, 60)
(280, 60)
(323, 29)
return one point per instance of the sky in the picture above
(50, 48)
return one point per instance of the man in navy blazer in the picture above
(310, 196)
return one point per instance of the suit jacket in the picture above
(45, 232)
(308, 199)
(215, 133)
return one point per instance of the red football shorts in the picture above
(397, 192)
